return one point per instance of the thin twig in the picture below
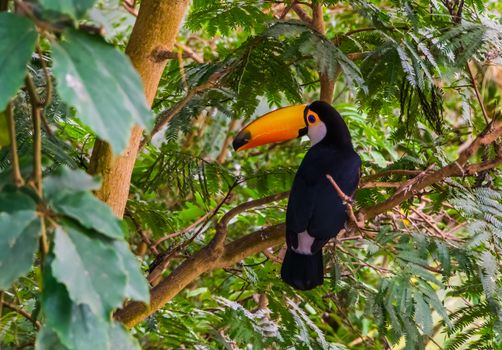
(478, 95)
(179, 56)
(48, 81)
(36, 105)
(184, 230)
(165, 117)
(347, 201)
(364, 263)
(23, 313)
(16, 172)
(36, 108)
(163, 259)
(187, 52)
(271, 256)
(287, 8)
(428, 222)
(130, 6)
(386, 173)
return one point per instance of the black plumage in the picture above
(314, 205)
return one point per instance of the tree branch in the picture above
(23, 313)
(160, 55)
(386, 173)
(214, 255)
(162, 260)
(302, 14)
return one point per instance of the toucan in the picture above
(315, 212)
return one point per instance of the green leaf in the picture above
(90, 268)
(137, 286)
(47, 339)
(17, 41)
(11, 202)
(108, 94)
(74, 180)
(19, 234)
(120, 339)
(74, 8)
(75, 324)
(4, 130)
(88, 211)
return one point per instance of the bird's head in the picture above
(319, 120)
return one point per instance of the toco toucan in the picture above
(315, 211)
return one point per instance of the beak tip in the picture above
(241, 139)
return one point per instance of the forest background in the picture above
(127, 221)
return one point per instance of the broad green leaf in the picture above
(137, 286)
(12, 201)
(47, 339)
(74, 180)
(74, 8)
(89, 211)
(17, 41)
(19, 234)
(76, 325)
(4, 130)
(90, 268)
(120, 339)
(108, 94)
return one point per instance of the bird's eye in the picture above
(311, 118)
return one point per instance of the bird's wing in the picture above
(314, 206)
(302, 198)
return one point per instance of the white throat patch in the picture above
(317, 132)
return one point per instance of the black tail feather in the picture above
(302, 272)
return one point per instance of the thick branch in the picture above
(214, 255)
(302, 14)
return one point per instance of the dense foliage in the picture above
(419, 85)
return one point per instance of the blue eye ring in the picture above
(311, 118)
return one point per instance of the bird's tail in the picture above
(303, 272)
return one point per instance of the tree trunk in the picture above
(155, 30)
(327, 82)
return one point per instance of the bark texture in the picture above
(154, 32)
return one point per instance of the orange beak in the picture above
(280, 125)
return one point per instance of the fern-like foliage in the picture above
(224, 16)
(483, 208)
(478, 324)
(185, 173)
